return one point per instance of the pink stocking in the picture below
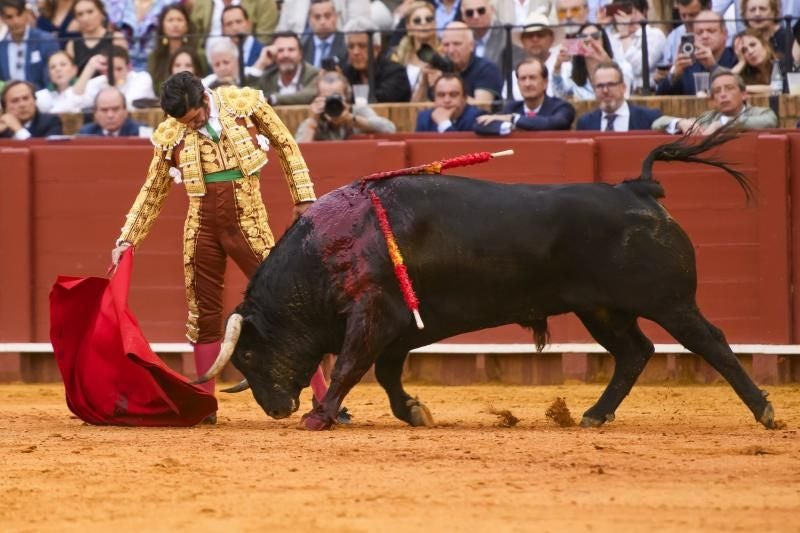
(318, 385)
(204, 357)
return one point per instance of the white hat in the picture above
(539, 22)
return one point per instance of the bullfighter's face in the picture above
(271, 367)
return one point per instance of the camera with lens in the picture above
(329, 63)
(687, 44)
(334, 105)
(427, 54)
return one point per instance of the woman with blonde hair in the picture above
(421, 29)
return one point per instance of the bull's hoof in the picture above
(768, 417)
(419, 414)
(591, 422)
(315, 421)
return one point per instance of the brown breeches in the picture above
(220, 226)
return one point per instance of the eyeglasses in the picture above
(564, 12)
(606, 86)
(474, 13)
(423, 20)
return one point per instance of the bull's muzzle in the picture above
(232, 331)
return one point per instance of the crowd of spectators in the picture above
(463, 56)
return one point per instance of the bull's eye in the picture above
(247, 355)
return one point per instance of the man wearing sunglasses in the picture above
(490, 38)
(614, 113)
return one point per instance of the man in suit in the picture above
(391, 79)
(21, 119)
(207, 17)
(25, 50)
(287, 79)
(490, 38)
(324, 41)
(451, 112)
(111, 117)
(615, 114)
(236, 25)
(709, 52)
(729, 95)
(536, 112)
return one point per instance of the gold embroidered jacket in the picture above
(182, 151)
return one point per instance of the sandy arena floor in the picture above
(678, 458)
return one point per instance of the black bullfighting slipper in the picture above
(342, 418)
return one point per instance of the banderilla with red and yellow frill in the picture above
(436, 167)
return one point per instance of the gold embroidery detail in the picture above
(252, 215)
(168, 134)
(149, 201)
(191, 230)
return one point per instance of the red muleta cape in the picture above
(110, 374)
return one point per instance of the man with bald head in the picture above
(481, 77)
(111, 117)
(710, 52)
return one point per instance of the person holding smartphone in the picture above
(626, 30)
(702, 51)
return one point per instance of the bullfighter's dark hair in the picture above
(180, 93)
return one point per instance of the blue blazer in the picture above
(129, 128)
(463, 123)
(42, 125)
(685, 84)
(555, 114)
(40, 47)
(641, 119)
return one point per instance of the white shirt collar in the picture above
(292, 86)
(213, 117)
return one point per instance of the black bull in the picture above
(479, 255)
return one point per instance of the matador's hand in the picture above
(116, 253)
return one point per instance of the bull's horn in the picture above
(232, 331)
(239, 387)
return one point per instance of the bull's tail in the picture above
(687, 149)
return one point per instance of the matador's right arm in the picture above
(149, 201)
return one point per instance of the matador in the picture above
(215, 143)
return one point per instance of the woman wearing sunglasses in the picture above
(421, 27)
(577, 57)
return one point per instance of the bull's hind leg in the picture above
(699, 336)
(389, 371)
(620, 335)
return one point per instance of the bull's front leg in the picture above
(350, 367)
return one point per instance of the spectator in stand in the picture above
(627, 32)
(709, 53)
(332, 118)
(286, 78)
(223, 56)
(481, 77)
(296, 16)
(421, 30)
(614, 113)
(186, 59)
(391, 81)
(63, 94)
(788, 7)
(450, 112)
(763, 17)
(514, 11)
(21, 120)
(111, 117)
(134, 85)
(538, 39)
(571, 73)
(573, 14)
(687, 11)
(324, 41)
(207, 17)
(138, 21)
(25, 50)
(536, 112)
(447, 11)
(55, 17)
(174, 31)
(489, 36)
(236, 25)
(755, 57)
(729, 96)
(95, 36)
